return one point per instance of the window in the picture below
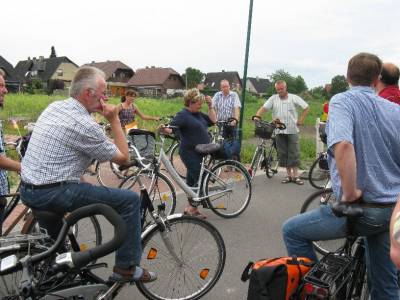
(122, 75)
(113, 75)
(60, 72)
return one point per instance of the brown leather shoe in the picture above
(126, 275)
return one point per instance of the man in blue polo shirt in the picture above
(364, 160)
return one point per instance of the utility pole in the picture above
(246, 59)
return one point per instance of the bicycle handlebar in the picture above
(275, 123)
(80, 259)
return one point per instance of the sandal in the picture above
(298, 181)
(287, 179)
(194, 213)
(133, 274)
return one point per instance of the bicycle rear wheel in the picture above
(317, 176)
(87, 233)
(228, 186)
(272, 163)
(109, 175)
(197, 266)
(322, 197)
(176, 161)
(258, 157)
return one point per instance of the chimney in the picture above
(93, 61)
(147, 67)
(223, 71)
(152, 67)
(29, 58)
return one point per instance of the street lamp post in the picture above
(246, 58)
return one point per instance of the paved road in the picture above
(253, 235)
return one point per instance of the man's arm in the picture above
(211, 111)
(261, 111)
(9, 164)
(110, 112)
(345, 158)
(303, 115)
(394, 245)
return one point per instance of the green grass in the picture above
(27, 108)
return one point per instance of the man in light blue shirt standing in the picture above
(364, 159)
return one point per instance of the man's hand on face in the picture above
(109, 111)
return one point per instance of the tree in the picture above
(338, 84)
(295, 85)
(194, 77)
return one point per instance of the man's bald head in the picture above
(390, 74)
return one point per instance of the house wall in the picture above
(173, 82)
(69, 71)
(250, 87)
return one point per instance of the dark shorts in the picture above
(288, 150)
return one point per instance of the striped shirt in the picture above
(3, 173)
(285, 110)
(225, 105)
(64, 142)
(371, 124)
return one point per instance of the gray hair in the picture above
(279, 82)
(2, 73)
(85, 77)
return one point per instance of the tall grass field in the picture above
(26, 108)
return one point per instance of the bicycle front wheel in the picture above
(322, 197)
(228, 188)
(109, 175)
(188, 257)
(272, 163)
(317, 176)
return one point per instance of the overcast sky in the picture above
(311, 38)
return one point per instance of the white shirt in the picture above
(225, 105)
(285, 111)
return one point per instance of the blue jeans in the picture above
(321, 224)
(70, 196)
(232, 145)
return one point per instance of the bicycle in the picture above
(224, 187)
(340, 274)
(190, 248)
(266, 154)
(322, 197)
(319, 176)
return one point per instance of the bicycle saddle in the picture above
(345, 209)
(207, 148)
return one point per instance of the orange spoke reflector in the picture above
(152, 253)
(83, 247)
(164, 197)
(204, 273)
(220, 206)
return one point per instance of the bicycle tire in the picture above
(201, 249)
(228, 174)
(322, 197)
(272, 163)
(255, 161)
(162, 191)
(316, 176)
(176, 161)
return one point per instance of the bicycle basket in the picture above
(330, 274)
(143, 141)
(263, 130)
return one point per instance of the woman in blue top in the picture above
(193, 129)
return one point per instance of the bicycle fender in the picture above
(150, 227)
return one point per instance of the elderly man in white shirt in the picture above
(283, 107)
